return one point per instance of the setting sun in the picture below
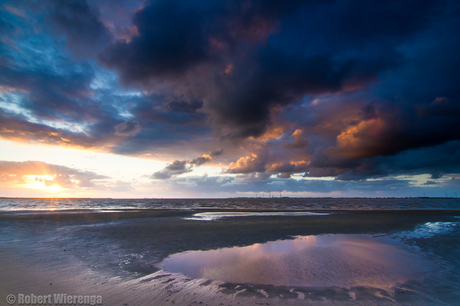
(42, 182)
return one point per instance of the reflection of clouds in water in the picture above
(327, 260)
(286, 246)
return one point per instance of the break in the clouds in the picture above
(346, 89)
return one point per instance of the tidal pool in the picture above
(324, 260)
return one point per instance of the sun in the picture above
(41, 182)
(54, 188)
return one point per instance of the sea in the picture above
(276, 203)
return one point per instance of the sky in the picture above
(229, 98)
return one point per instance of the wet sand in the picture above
(118, 255)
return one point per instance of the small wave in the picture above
(428, 230)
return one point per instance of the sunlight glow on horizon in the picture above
(120, 176)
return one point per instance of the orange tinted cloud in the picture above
(35, 174)
(299, 141)
(365, 139)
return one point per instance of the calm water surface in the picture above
(234, 203)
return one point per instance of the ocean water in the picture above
(17, 204)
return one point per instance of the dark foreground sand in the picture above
(119, 256)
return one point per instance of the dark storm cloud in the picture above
(170, 44)
(85, 33)
(176, 37)
(271, 79)
(418, 109)
(184, 107)
(436, 160)
(168, 110)
(171, 40)
(162, 128)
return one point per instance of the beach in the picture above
(234, 256)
